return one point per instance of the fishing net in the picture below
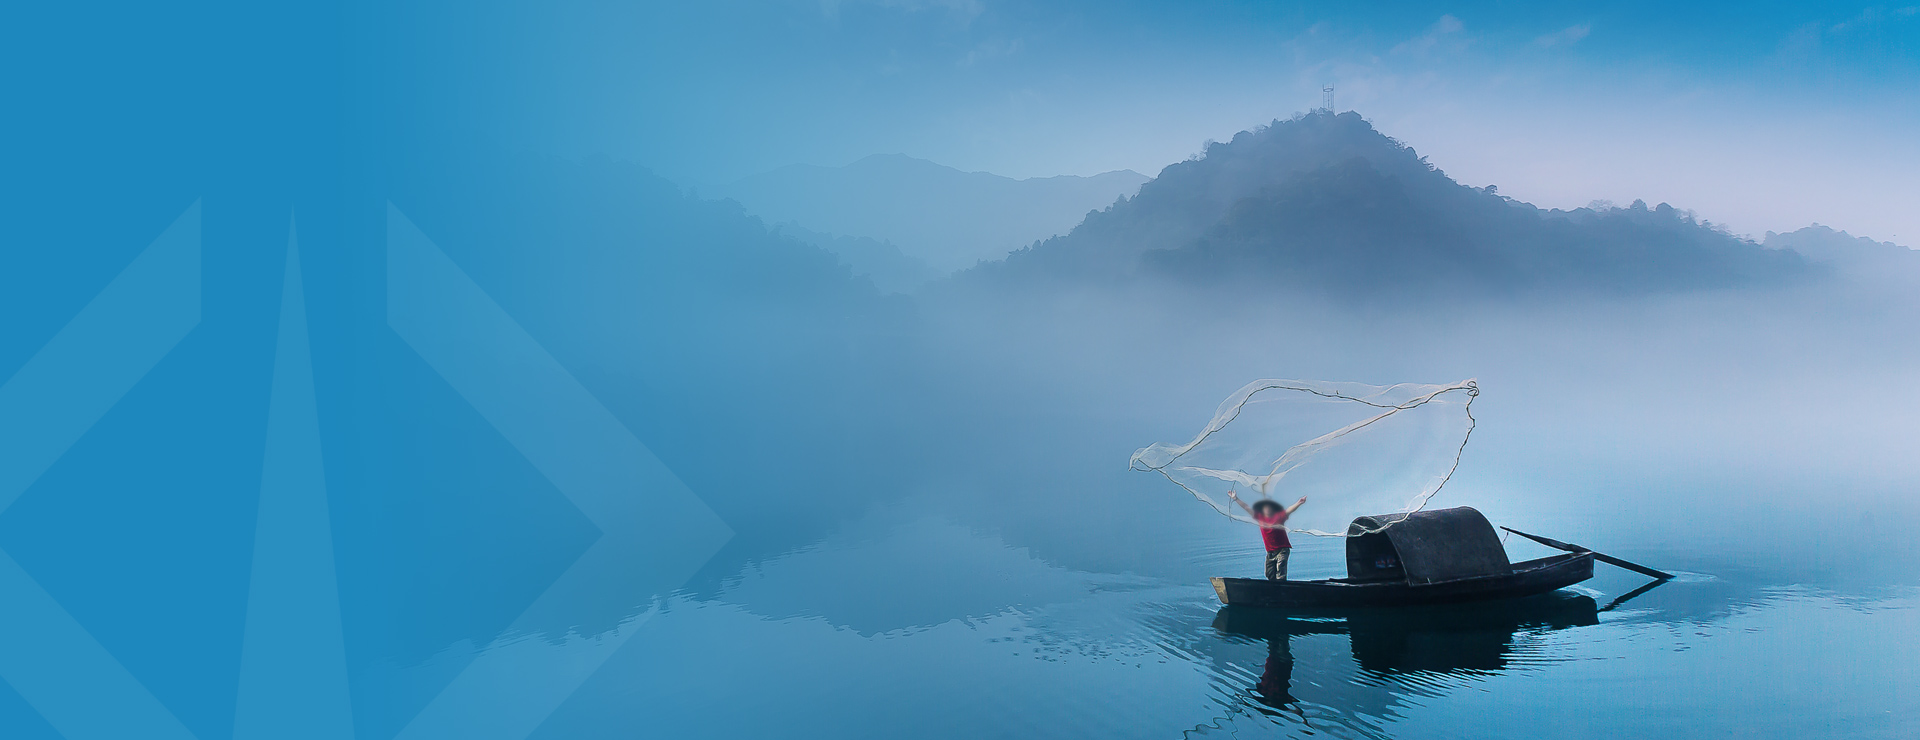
(1350, 449)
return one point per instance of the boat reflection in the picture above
(1406, 642)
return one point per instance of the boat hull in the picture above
(1527, 578)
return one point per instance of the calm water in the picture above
(1018, 612)
(920, 626)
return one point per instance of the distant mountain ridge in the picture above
(1860, 259)
(948, 218)
(891, 270)
(1823, 244)
(1325, 201)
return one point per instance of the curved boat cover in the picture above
(1425, 547)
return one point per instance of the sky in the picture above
(1760, 116)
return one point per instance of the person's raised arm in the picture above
(1243, 504)
(1296, 505)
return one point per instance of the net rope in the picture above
(1417, 455)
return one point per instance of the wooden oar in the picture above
(1558, 545)
(1629, 596)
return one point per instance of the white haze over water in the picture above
(1776, 412)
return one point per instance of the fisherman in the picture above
(1272, 520)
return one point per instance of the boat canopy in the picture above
(1424, 547)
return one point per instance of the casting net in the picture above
(1350, 449)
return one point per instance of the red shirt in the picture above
(1272, 532)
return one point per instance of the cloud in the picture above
(1443, 36)
(1564, 37)
(1807, 42)
(1873, 17)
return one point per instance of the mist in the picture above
(1630, 357)
(773, 369)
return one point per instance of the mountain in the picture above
(1861, 260)
(1823, 244)
(949, 218)
(1326, 202)
(891, 270)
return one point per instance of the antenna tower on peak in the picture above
(1326, 99)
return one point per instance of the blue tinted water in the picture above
(931, 629)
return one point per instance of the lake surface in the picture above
(920, 626)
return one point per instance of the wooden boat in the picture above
(1427, 557)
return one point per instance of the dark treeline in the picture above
(1326, 202)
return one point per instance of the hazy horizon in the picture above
(1762, 117)
(1754, 235)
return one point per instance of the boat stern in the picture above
(1220, 588)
